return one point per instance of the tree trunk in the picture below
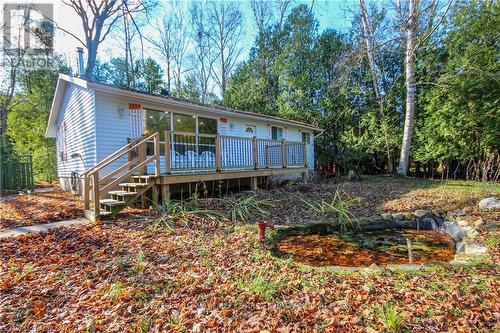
(373, 70)
(410, 88)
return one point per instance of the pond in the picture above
(366, 248)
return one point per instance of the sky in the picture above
(330, 14)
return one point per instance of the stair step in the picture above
(134, 184)
(89, 213)
(111, 202)
(122, 193)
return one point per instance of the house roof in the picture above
(65, 80)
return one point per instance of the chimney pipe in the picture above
(79, 53)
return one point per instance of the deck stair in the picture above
(102, 191)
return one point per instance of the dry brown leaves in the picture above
(39, 208)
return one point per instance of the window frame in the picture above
(309, 137)
(282, 133)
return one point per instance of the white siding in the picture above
(78, 116)
(113, 126)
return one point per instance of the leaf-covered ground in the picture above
(39, 208)
(121, 276)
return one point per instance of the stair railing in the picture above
(92, 190)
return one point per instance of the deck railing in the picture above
(184, 152)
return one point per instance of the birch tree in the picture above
(411, 28)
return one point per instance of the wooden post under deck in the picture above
(254, 183)
(165, 193)
(155, 191)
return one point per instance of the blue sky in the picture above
(330, 14)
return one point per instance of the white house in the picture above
(92, 121)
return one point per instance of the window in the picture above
(250, 130)
(61, 143)
(207, 125)
(277, 133)
(156, 121)
(184, 123)
(306, 137)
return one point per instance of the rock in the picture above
(439, 212)
(454, 215)
(475, 249)
(463, 223)
(479, 222)
(421, 213)
(409, 216)
(398, 216)
(472, 233)
(375, 219)
(452, 229)
(489, 203)
(386, 217)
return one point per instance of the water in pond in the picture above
(367, 248)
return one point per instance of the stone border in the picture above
(452, 223)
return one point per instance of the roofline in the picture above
(173, 101)
(195, 106)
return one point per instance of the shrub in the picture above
(243, 208)
(335, 210)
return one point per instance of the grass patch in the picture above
(390, 317)
(260, 284)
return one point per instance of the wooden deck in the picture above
(186, 158)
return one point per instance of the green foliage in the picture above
(184, 212)
(244, 208)
(336, 210)
(462, 110)
(261, 284)
(27, 119)
(391, 317)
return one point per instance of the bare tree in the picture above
(370, 52)
(225, 33)
(204, 54)
(172, 44)
(98, 19)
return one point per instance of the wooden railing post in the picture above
(255, 153)
(156, 141)
(168, 162)
(218, 155)
(283, 153)
(86, 194)
(267, 156)
(305, 154)
(142, 154)
(95, 191)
